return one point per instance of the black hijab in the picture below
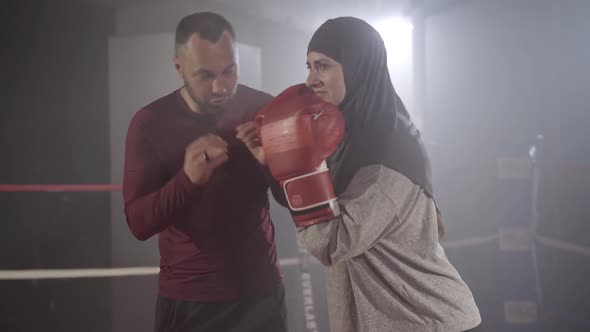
(378, 126)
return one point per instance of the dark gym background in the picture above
(499, 88)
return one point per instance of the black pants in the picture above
(266, 313)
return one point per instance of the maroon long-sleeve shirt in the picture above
(216, 240)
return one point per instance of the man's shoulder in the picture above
(252, 97)
(163, 103)
(159, 105)
(152, 112)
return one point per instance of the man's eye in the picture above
(322, 66)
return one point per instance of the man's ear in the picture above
(178, 66)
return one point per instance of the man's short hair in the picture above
(208, 25)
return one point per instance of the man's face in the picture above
(209, 71)
(326, 77)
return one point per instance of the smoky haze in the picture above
(498, 89)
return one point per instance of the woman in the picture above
(386, 268)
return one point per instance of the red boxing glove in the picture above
(298, 131)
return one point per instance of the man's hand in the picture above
(248, 133)
(203, 156)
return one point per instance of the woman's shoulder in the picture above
(379, 175)
(379, 178)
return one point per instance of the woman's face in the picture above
(326, 78)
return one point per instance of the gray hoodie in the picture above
(386, 269)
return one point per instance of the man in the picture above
(194, 176)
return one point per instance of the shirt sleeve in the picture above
(151, 202)
(275, 187)
(371, 207)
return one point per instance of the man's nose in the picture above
(219, 87)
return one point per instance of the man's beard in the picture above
(206, 108)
